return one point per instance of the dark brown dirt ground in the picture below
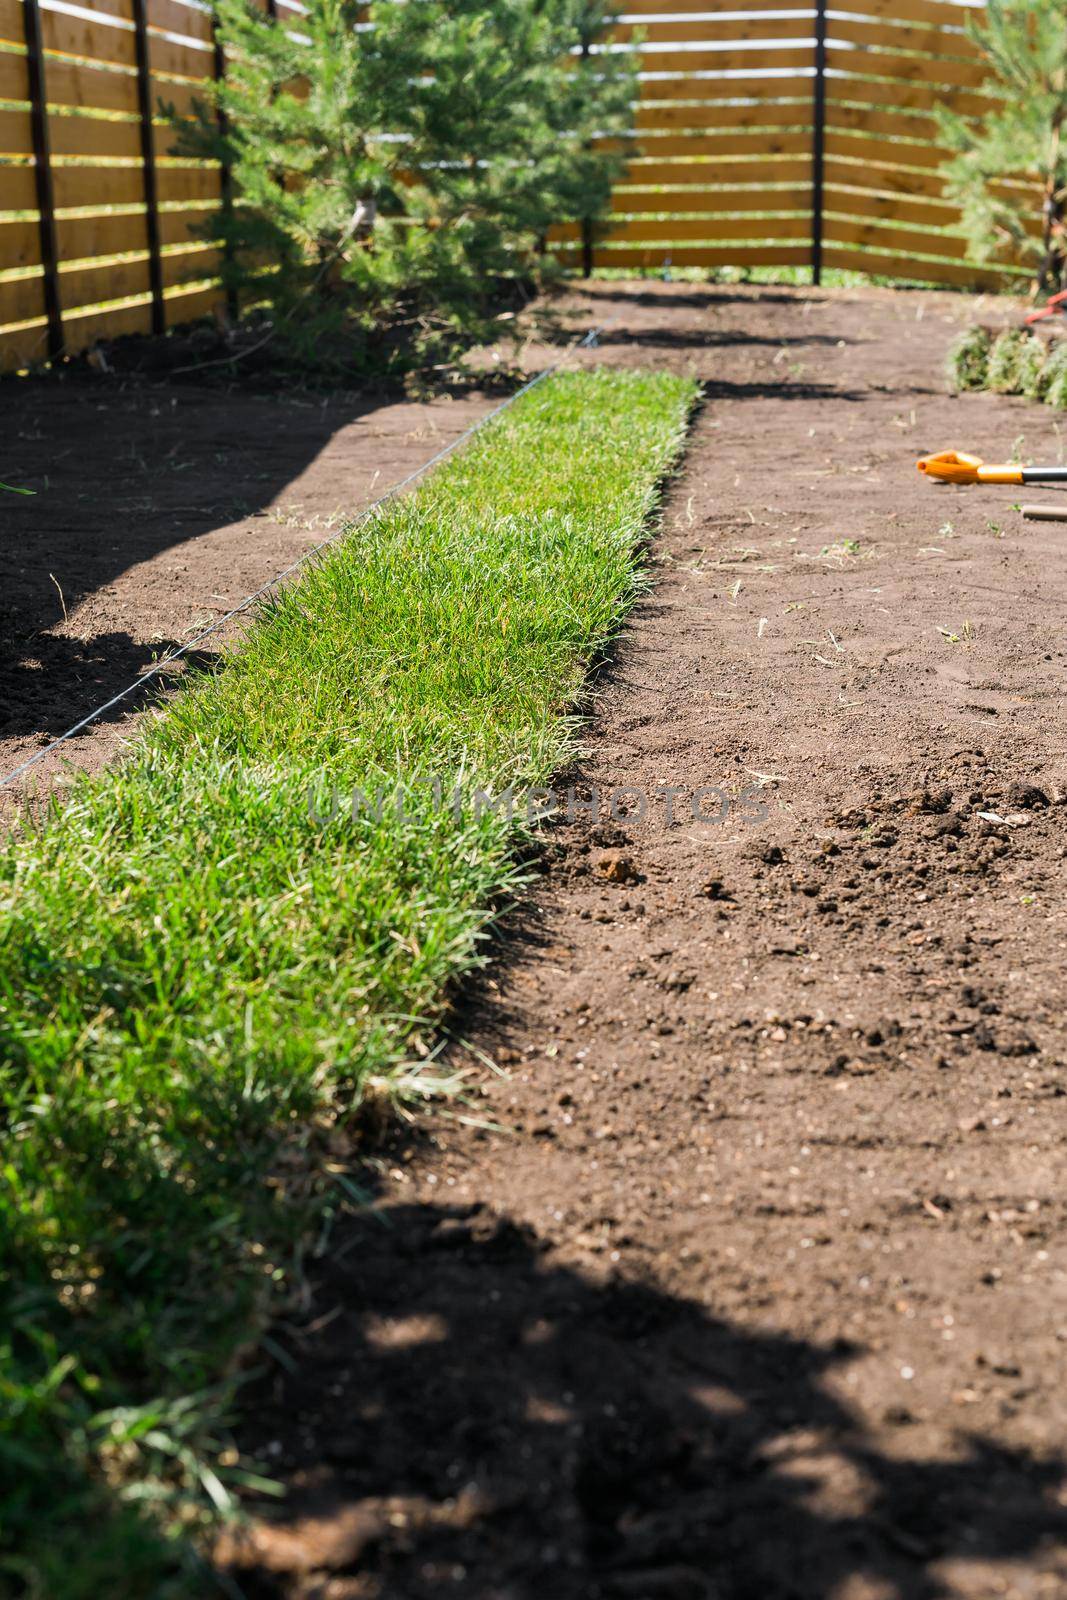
(751, 1284)
(159, 506)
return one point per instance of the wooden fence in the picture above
(96, 217)
(802, 139)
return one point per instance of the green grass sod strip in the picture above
(197, 975)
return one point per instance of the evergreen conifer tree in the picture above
(1022, 139)
(391, 164)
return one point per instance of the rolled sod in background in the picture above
(200, 972)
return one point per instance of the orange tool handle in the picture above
(952, 466)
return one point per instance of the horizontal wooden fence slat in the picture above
(12, 28)
(733, 31)
(84, 328)
(16, 134)
(118, 186)
(894, 125)
(715, 89)
(103, 39)
(890, 180)
(653, 148)
(74, 135)
(891, 207)
(185, 266)
(907, 241)
(927, 70)
(107, 8)
(188, 183)
(20, 244)
(856, 145)
(899, 36)
(899, 208)
(686, 62)
(708, 232)
(183, 224)
(937, 13)
(917, 97)
(171, 16)
(14, 84)
(106, 234)
(751, 167)
(19, 189)
(91, 88)
(21, 298)
(736, 31)
(22, 347)
(107, 40)
(84, 286)
(712, 201)
(901, 266)
(760, 255)
(97, 186)
(180, 60)
(636, 8)
(690, 186)
(766, 115)
(186, 305)
(177, 97)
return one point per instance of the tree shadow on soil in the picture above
(125, 469)
(37, 694)
(667, 295)
(715, 338)
(718, 389)
(465, 1413)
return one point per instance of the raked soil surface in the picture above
(753, 1283)
(157, 507)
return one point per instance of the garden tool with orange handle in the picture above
(952, 466)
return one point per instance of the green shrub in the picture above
(1031, 365)
(1054, 377)
(968, 359)
(1004, 373)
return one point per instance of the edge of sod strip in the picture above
(200, 972)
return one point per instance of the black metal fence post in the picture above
(818, 143)
(226, 176)
(148, 164)
(587, 226)
(42, 156)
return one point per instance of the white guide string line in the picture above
(589, 340)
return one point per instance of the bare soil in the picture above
(159, 506)
(744, 1277)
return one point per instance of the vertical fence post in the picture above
(226, 176)
(587, 226)
(148, 164)
(818, 143)
(42, 156)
